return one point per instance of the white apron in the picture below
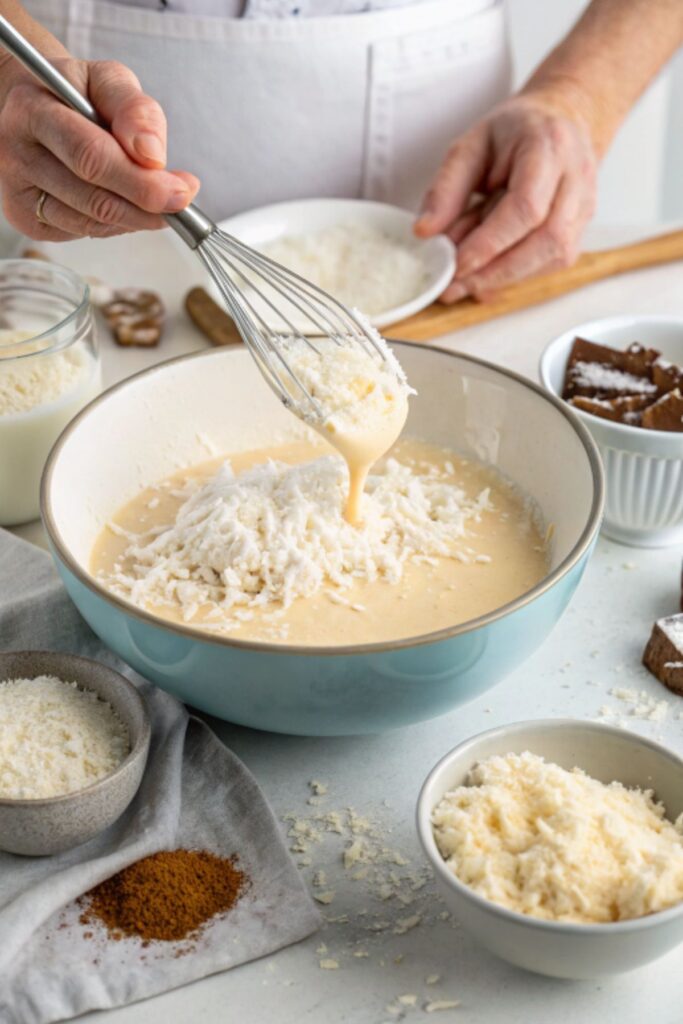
(359, 105)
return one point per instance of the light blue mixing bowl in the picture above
(170, 416)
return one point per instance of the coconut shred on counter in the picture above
(559, 845)
(257, 547)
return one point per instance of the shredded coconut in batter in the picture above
(363, 397)
(277, 532)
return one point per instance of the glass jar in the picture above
(49, 369)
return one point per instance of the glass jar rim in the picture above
(81, 306)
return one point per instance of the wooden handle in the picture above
(590, 266)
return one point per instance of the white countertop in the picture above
(597, 646)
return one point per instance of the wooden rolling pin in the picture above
(438, 319)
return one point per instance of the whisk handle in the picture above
(39, 66)
(191, 224)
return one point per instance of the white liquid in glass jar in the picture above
(40, 392)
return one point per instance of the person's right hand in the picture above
(97, 183)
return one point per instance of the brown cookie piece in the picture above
(135, 316)
(625, 409)
(597, 371)
(666, 376)
(640, 360)
(666, 413)
(211, 320)
(663, 654)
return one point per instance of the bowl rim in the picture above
(136, 751)
(342, 204)
(81, 306)
(582, 546)
(425, 834)
(667, 437)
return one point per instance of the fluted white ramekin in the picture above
(643, 468)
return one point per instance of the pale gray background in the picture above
(641, 178)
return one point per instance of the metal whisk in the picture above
(247, 280)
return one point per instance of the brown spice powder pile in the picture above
(167, 896)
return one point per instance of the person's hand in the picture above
(96, 183)
(514, 193)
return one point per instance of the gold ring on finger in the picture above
(40, 216)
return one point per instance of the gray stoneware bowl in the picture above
(52, 824)
(549, 947)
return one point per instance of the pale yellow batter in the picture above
(429, 597)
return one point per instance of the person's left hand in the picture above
(514, 193)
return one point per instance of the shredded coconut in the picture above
(441, 1004)
(355, 847)
(359, 265)
(558, 844)
(640, 704)
(340, 375)
(672, 627)
(608, 378)
(409, 999)
(55, 738)
(277, 532)
(30, 380)
(359, 394)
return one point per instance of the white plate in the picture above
(263, 226)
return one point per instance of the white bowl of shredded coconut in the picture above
(559, 845)
(363, 253)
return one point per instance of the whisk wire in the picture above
(255, 333)
(229, 261)
(347, 321)
(281, 280)
(217, 250)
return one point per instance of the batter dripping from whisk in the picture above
(365, 402)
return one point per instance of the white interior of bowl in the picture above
(183, 412)
(603, 752)
(258, 228)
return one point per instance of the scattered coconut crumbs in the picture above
(639, 704)
(390, 895)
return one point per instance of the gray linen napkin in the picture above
(195, 793)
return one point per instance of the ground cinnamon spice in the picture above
(167, 896)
